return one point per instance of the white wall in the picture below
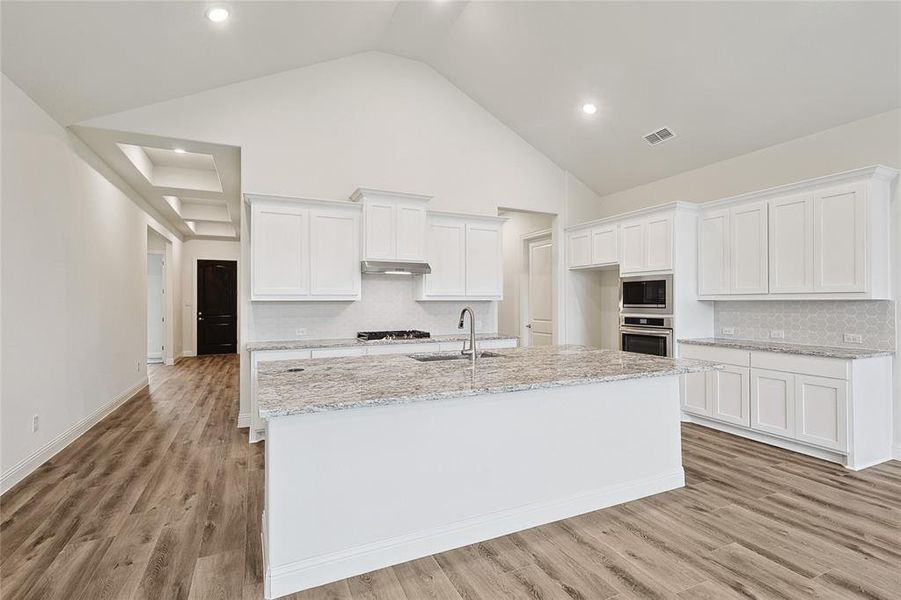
(74, 249)
(870, 141)
(517, 225)
(194, 250)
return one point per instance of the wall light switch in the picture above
(777, 334)
(300, 331)
(853, 338)
(35, 423)
(728, 330)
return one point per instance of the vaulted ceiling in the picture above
(726, 77)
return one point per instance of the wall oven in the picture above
(646, 295)
(646, 335)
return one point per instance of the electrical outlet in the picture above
(777, 334)
(137, 366)
(300, 331)
(35, 423)
(853, 338)
(728, 330)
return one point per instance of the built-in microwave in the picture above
(646, 294)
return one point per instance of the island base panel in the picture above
(350, 491)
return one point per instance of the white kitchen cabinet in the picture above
(647, 244)
(791, 244)
(713, 253)
(334, 252)
(303, 250)
(773, 402)
(484, 261)
(604, 245)
(466, 258)
(839, 239)
(730, 395)
(822, 411)
(280, 251)
(694, 393)
(394, 225)
(579, 248)
(732, 250)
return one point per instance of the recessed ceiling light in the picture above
(589, 109)
(179, 150)
(217, 15)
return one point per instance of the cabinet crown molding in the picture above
(255, 198)
(877, 172)
(668, 206)
(371, 193)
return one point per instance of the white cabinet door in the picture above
(729, 393)
(713, 253)
(633, 248)
(579, 243)
(604, 245)
(334, 252)
(484, 266)
(447, 258)
(380, 218)
(693, 392)
(839, 239)
(280, 251)
(411, 228)
(659, 243)
(773, 402)
(791, 244)
(748, 249)
(821, 411)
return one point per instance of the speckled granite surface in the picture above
(354, 342)
(802, 349)
(343, 383)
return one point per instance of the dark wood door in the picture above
(217, 307)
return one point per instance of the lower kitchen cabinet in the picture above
(835, 409)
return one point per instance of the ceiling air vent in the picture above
(661, 135)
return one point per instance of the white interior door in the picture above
(155, 308)
(541, 296)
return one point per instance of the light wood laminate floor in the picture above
(162, 500)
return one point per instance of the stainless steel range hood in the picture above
(391, 267)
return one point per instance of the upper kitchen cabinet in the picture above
(304, 250)
(647, 244)
(826, 238)
(394, 225)
(465, 256)
(593, 246)
(732, 250)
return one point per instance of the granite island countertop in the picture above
(292, 387)
(311, 344)
(801, 349)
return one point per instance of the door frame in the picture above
(169, 288)
(195, 299)
(164, 305)
(526, 241)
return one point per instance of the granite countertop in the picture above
(353, 342)
(802, 349)
(343, 383)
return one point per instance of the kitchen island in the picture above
(373, 461)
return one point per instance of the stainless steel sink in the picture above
(452, 356)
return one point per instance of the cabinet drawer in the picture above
(402, 348)
(728, 356)
(806, 365)
(333, 352)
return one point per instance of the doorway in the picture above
(539, 294)
(217, 307)
(156, 315)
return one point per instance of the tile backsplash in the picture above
(815, 322)
(387, 303)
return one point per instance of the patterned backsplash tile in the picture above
(816, 322)
(388, 303)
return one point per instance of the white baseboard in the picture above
(243, 420)
(896, 451)
(292, 577)
(27, 465)
(188, 354)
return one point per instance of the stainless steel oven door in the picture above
(646, 294)
(656, 342)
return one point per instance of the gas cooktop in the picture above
(406, 334)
